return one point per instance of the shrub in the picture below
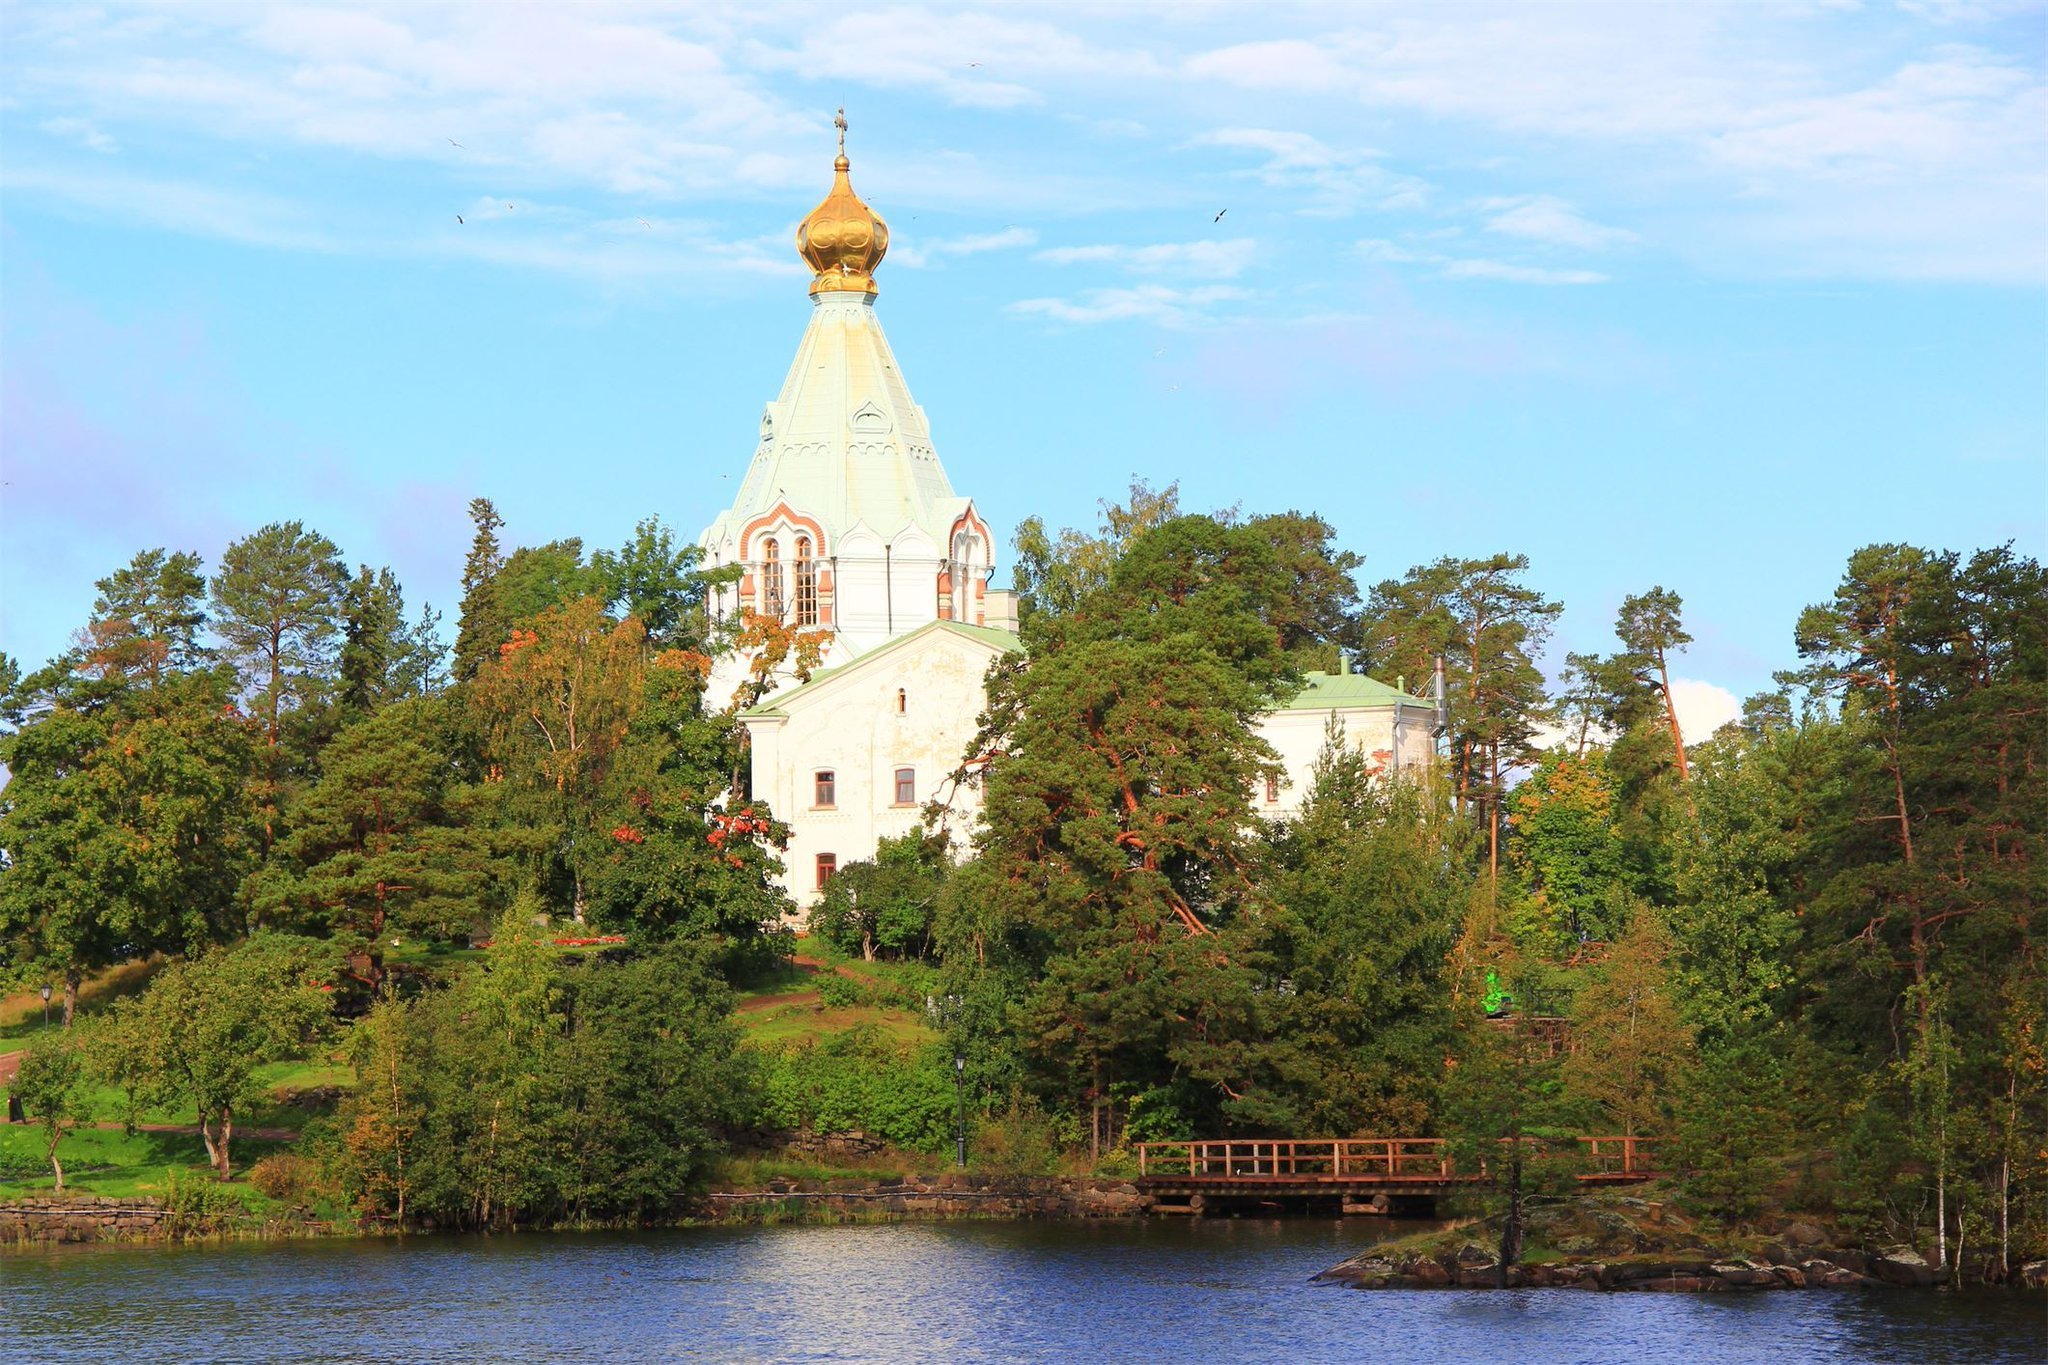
(286, 1177)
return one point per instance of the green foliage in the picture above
(277, 607)
(1730, 1129)
(1565, 844)
(52, 1082)
(1374, 877)
(527, 1093)
(198, 1034)
(1631, 1049)
(884, 906)
(1488, 626)
(379, 845)
(860, 1081)
(125, 817)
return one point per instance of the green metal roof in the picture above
(987, 635)
(1343, 691)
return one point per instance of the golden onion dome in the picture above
(843, 239)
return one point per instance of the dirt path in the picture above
(802, 963)
(10, 1062)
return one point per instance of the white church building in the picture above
(846, 524)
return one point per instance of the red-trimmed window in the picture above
(906, 786)
(828, 863)
(771, 579)
(1272, 788)
(806, 583)
(824, 788)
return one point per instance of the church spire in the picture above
(842, 239)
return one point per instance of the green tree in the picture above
(1508, 1112)
(53, 1084)
(556, 705)
(383, 659)
(1488, 625)
(197, 1035)
(277, 607)
(381, 844)
(1373, 877)
(1630, 1047)
(1731, 1127)
(484, 624)
(1116, 856)
(886, 904)
(1054, 573)
(1564, 843)
(125, 819)
(147, 617)
(1650, 628)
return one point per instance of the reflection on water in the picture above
(1179, 1290)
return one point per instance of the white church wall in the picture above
(852, 727)
(1398, 733)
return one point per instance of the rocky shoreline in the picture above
(1621, 1243)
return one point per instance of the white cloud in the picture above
(916, 255)
(1334, 180)
(1219, 260)
(1546, 218)
(81, 131)
(1518, 274)
(1702, 707)
(1380, 250)
(1158, 303)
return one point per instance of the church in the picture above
(847, 524)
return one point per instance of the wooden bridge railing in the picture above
(1423, 1160)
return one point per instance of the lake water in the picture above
(1158, 1290)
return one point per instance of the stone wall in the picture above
(929, 1196)
(58, 1219)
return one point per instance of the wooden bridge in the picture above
(1362, 1174)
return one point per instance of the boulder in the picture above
(1789, 1276)
(1904, 1267)
(1424, 1273)
(1744, 1274)
(1827, 1275)
(1848, 1259)
(1473, 1256)
(1804, 1235)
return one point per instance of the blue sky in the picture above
(1696, 295)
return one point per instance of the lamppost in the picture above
(960, 1110)
(46, 1004)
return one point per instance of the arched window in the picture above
(771, 578)
(902, 701)
(806, 583)
(965, 547)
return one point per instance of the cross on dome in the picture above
(842, 239)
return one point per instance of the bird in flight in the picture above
(649, 226)
(1219, 215)
(453, 143)
(508, 209)
(458, 218)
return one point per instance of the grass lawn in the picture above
(111, 1163)
(21, 1014)
(814, 1022)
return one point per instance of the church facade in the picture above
(846, 525)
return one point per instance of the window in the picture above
(1272, 788)
(806, 583)
(771, 579)
(828, 863)
(966, 546)
(906, 786)
(822, 788)
(902, 701)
